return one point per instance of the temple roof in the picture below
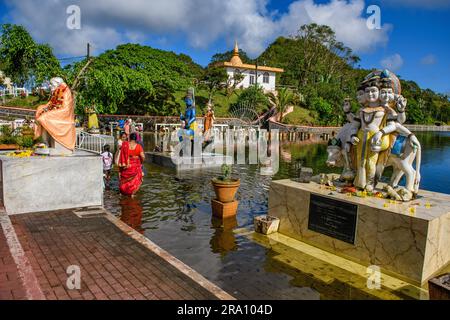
(236, 63)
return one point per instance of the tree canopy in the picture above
(24, 60)
(323, 70)
(135, 79)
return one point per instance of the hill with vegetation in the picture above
(135, 79)
(323, 71)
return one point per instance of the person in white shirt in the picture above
(107, 158)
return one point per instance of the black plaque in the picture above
(333, 218)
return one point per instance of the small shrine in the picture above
(252, 74)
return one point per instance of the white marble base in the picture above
(39, 184)
(408, 240)
(59, 150)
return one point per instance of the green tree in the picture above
(233, 82)
(324, 110)
(214, 78)
(253, 96)
(133, 79)
(284, 99)
(23, 59)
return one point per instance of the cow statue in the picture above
(339, 153)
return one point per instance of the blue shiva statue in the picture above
(189, 117)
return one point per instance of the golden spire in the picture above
(236, 60)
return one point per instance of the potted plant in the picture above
(7, 140)
(225, 187)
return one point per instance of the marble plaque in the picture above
(333, 218)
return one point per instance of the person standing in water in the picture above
(107, 158)
(132, 157)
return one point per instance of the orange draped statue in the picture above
(57, 117)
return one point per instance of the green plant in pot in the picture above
(225, 186)
(7, 140)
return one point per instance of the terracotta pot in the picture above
(225, 191)
(9, 147)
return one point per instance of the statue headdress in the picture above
(383, 79)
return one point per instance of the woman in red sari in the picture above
(130, 163)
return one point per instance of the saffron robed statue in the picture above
(374, 138)
(55, 121)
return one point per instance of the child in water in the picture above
(107, 158)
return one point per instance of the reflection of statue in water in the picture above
(55, 121)
(375, 138)
(93, 124)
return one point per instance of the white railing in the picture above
(418, 128)
(90, 142)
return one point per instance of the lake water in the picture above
(174, 211)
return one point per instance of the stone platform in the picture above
(410, 241)
(207, 160)
(38, 184)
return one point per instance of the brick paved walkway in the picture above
(113, 264)
(10, 284)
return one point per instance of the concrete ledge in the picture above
(39, 184)
(408, 240)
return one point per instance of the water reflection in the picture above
(223, 240)
(174, 211)
(132, 213)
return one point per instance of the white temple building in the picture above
(262, 75)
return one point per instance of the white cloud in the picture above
(393, 63)
(106, 23)
(429, 59)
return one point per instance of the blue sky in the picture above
(414, 39)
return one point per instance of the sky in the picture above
(409, 37)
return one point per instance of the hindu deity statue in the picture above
(370, 137)
(375, 138)
(93, 124)
(55, 121)
(189, 118)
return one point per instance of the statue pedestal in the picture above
(409, 241)
(39, 184)
(224, 210)
(54, 147)
(59, 150)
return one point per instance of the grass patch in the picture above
(220, 100)
(30, 102)
(300, 116)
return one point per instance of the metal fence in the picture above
(93, 143)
